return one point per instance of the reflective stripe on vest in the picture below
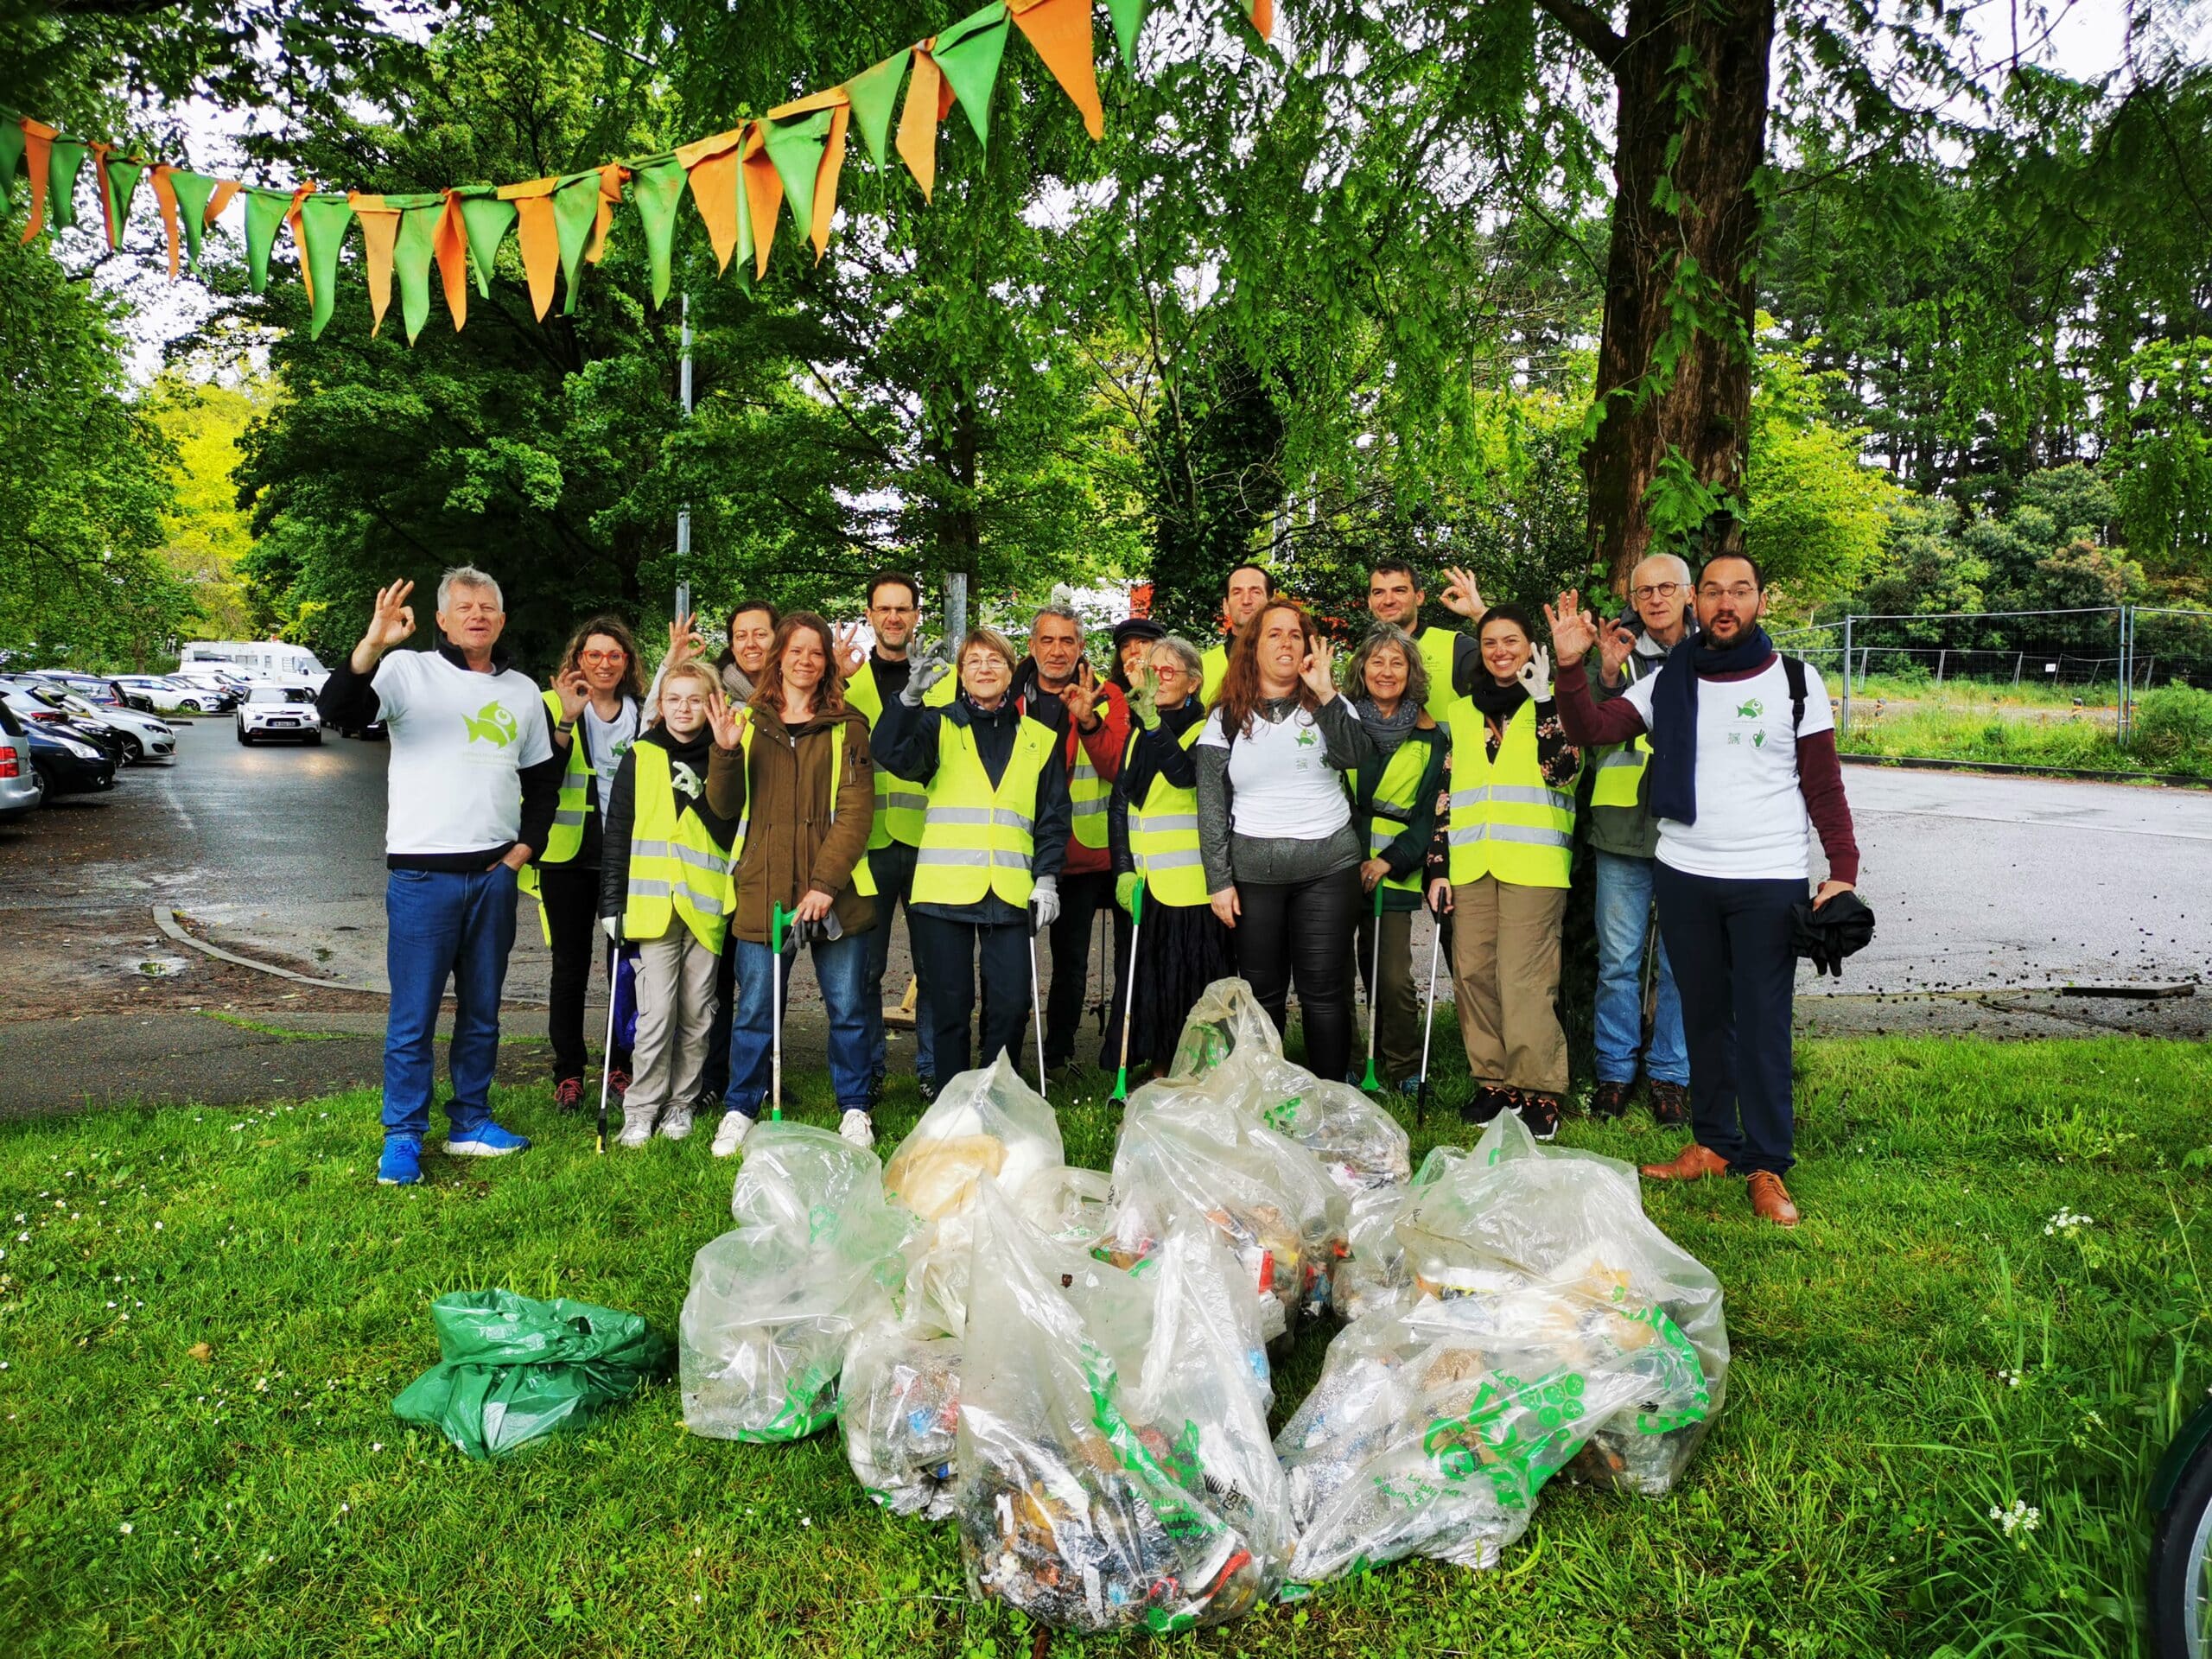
(1164, 835)
(977, 840)
(1438, 647)
(899, 801)
(1394, 803)
(864, 876)
(677, 868)
(1505, 820)
(1620, 765)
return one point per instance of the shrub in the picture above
(2174, 723)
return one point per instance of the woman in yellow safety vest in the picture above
(794, 768)
(1152, 832)
(1394, 806)
(993, 835)
(663, 888)
(594, 713)
(1499, 863)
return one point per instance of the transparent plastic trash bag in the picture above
(1360, 1145)
(1431, 1432)
(1373, 1277)
(1112, 1468)
(898, 1408)
(984, 1122)
(1514, 1213)
(1071, 1205)
(1226, 1019)
(774, 1302)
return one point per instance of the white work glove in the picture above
(1045, 903)
(612, 926)
(925, 672)
(1535, 676)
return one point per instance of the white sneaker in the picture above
(676, 1123)
(735, 1126)
(637, 1126)
(857, 1127)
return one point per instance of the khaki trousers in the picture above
(1397, 1006)
(1505, 952)
(675, 1011)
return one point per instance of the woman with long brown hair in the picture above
(592, 714)
(1275, 827)
(793, 767)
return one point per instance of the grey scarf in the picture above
(1389, 733)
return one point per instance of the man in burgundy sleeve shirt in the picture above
(1740, 774)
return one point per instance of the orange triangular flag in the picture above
(1264, 18)
(538, 236)
(449, 242)
(929, 100)
(610, 192)
(710, 164)
(764, 193)
(379, 231)
(825, 180)
(1060, 32)
(224, 189)
(38, 145)
(172, 216)
(300, 239)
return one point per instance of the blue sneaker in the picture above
(484, 1139)
(402, 1163)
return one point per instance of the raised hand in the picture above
(568, 686)
(847, 641)
(392, 619)
(1144, 698)
(1616, 645)
(925, 672)
(1461, 596)
(726, 723)
(1080, 695)
(1319, 671)
(1574, 630)
(1535, 676)
(685, 641)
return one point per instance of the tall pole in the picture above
(683, 512)
(1846, 675)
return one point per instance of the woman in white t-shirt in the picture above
(1275, 825)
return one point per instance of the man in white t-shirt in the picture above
(1742, 770)
(472, 787)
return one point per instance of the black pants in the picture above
(945, 962)
(1303, 931)
(1082, 896)
(570, 895)
(893, 865)
(1728, 943)
(714, 1076)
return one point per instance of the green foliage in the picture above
(2173, 724)
(208, 532)
(1818, 513)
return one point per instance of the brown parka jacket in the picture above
(787, 798)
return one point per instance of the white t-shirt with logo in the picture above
(606, 741)
(459, 741)
(1752, 822)
(1283, 787)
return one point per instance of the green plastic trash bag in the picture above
(514, 1370)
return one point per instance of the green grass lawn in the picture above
(204, 1317)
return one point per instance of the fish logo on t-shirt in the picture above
(492, 723)
(1753, 710)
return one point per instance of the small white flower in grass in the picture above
(125, 1527)
(376, 1446)
(804, 1521)
(2066, 1224)
(2012, 1379)
(2022, 1517)
(157, 1226)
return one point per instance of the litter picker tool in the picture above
(779, 919)
(1373, 989)
(1036, 1007)
(1428, 1017)
(1120, 1094)
(607, 1058)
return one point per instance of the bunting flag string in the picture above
(739, 182)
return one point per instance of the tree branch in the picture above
(1589, 27)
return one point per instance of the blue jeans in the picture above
(1624, 920)
(893, 866)
(840, 966)
(442, 925)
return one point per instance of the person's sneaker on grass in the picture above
(1610, 1099)
(857, 1127)
(1488, 1102)
(927, 1086)
(676, 1121)
(637, 1126)
(1539, 1113)
(617, 1082)
(402, 1163)
(730, 1133)
(484, 1139)
(1670, 1104)
(568, 1094)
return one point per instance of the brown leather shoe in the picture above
(1771, 1198)
(1693, 1163)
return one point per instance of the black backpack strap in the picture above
(1793, 670)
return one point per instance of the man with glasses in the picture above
(1742, 768)
(1625, 837)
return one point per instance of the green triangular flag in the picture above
(323, 219)
(411, 251)
(1128, 23)
(656, 187)
(968, 52)
(63, 161)
(11, 150)
(795, 146)
(487, 219)
(265, 211)
(575, 209)
(122, 184)
(874, 92)
(192, 190)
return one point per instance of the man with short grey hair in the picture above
(472, 782)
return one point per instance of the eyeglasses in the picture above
(600, 656)
(1658, 590)
(898, 610)
(1739, 591)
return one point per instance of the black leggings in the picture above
(1303, 931)
(570, 895)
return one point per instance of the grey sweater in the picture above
(1266, 860)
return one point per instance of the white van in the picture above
(293, 663)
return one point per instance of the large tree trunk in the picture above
(1686, 232)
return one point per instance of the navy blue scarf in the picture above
(1673, 716)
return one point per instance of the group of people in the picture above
(1239, 809)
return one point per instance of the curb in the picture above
(2009, 768)
(166, 919)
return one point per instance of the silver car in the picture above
(21, 786)
(145, 738)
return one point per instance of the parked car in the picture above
(103, 693)
(68, 764)
(279, 711)
(22, 787)
(40, 716)
(273, 657)
(143, 737)
(161, 695)
(204, 683)
(2181, 1542)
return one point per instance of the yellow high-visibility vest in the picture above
(1437, 647)
(1396, 797)
(677, 868)
(1506, 821)
(976, 839)
(863, 877)
(1213, 665)
(573, 805)
(1163, 835)
(1620, 765)
(1087, 797)
(899, 801)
